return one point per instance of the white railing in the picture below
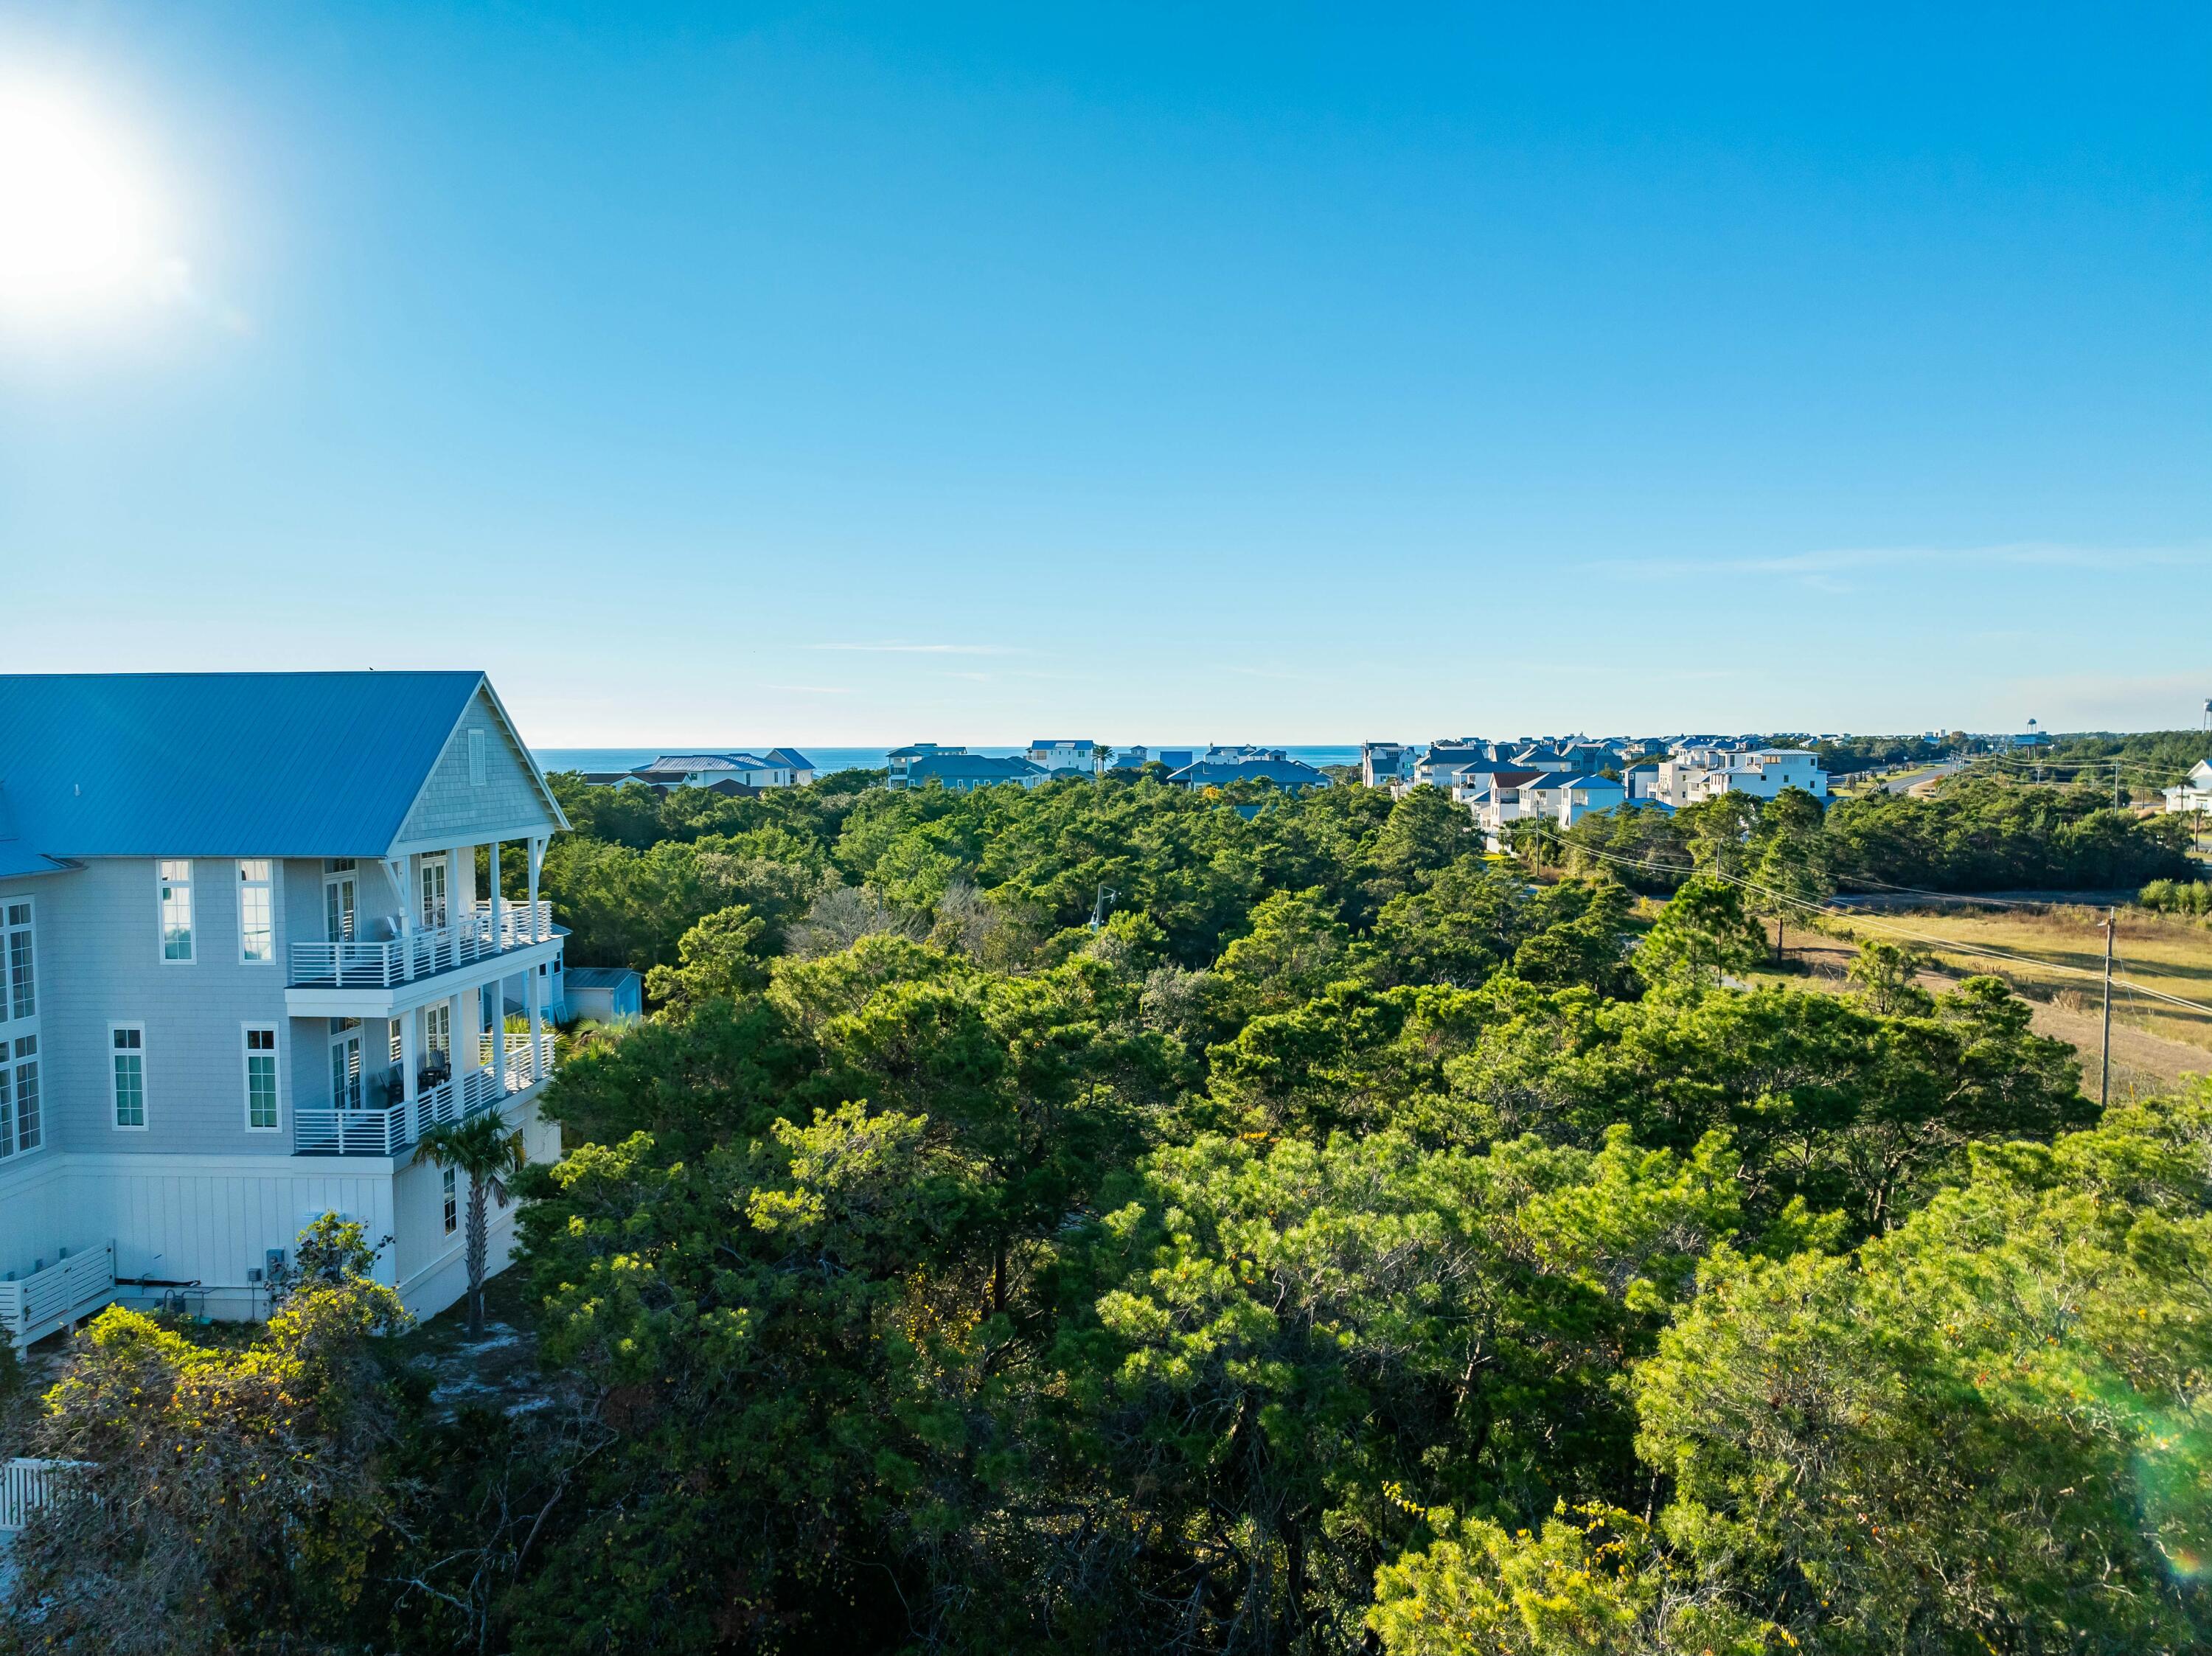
(32, 1307)
(520, 924)
(526, 1062)
(358, 963)
(26, 1486)
(391, 1131)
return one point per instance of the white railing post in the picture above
(537, 862)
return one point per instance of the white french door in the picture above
(339, 904)
(345, 1071)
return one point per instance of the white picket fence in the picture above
(67, 1291)
(24, 1487)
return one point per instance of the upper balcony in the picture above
(387, 963)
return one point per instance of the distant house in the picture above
(1174, 758)
(1220, 767)
(1385, 764)
(957, 769)
(1694, 773)
(1062, 756)
(1642, 782)
(780, 768)
(1454, 763)
(2194, 793)
(604, 994)
(1584, 794)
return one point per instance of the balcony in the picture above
(387, 963)
(393, 1129)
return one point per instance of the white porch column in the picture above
(497, 941)
(464, 1014)
(537, 861)
(409, 1025)
(460, 895)
(397, 869)
(533, 999)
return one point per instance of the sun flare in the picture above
(80, 221)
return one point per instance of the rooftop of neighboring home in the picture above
(598, 977)
(1222, 767)
(689, 764)
(950, 763)
(147, 764)
(920, 750)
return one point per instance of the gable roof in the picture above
(225, 764)
(790, 758)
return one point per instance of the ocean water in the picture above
(837, 759)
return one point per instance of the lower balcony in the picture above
(393, 1129)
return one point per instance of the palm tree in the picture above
(485, 1148)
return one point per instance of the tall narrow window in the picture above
(21, 987)
(7, 1103)
(256, 913)
(261, 1077)
(452, 1202)
(129, 1041)
(176, 910)
(434, 895)
(476, 758)
(29, 1122)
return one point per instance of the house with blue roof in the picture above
(249, 962)
(925, 764)
(738, 773)
(1219, 768)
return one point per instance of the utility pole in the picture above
(2105, 1069)
(2116, 785)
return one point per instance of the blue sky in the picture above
(857, 373)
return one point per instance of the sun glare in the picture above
(80, 220)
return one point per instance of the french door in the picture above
(339, 904)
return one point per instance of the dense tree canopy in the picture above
(1355, 1241)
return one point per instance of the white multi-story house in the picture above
(256, 944)
(1693, 773)
(1056, 755)
(1386, 764)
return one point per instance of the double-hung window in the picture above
(176, 882)
(261, 1077)
(21, 1121)
(452, 1202)
(128, 1042)
(256, 913)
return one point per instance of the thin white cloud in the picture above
(1813, 567)
(924, 649)
(814, 689)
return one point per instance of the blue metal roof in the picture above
(222, 764)
(948, 766)
(598, 977)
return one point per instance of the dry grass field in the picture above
(2154, 1043)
